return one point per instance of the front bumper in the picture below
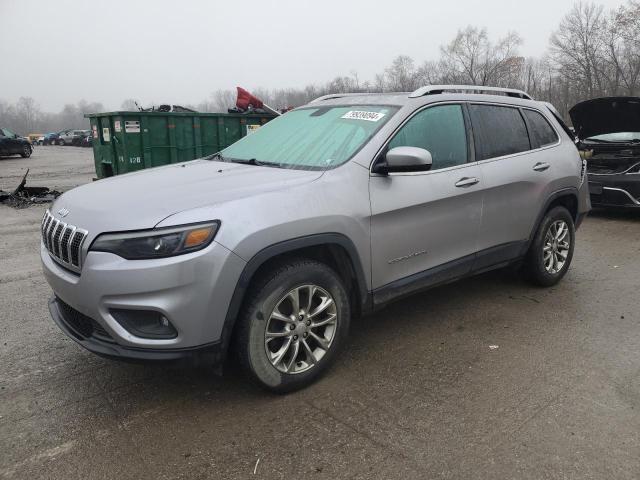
(193, 291)
(103, 345)
(622, 190)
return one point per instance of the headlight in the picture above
(160, 243)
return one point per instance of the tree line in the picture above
(593, 52)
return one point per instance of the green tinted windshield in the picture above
(311, 138)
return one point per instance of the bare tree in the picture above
(471, 58)
(401, 75)
(578, 49)
(622, 49)
(27, 114)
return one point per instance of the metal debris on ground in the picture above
(23, 196)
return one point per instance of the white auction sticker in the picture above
(361, 115)
(106, 134)
(117, 126)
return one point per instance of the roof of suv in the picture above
(428, 94)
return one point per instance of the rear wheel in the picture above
(293, 325)
(551, 251)
(26, 151)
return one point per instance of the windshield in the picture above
(616, 137)
(311, 138)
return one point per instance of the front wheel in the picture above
(26, 151)
(293, 325)
(551, 251)
(61, 142)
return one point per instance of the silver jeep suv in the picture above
(268, 248)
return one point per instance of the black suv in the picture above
(12, 144)
(608, 130)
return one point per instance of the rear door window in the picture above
(498, 131)
(439, 129)
(541, 133)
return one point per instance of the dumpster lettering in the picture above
(135, 160)
(252, 128)
(131, 126)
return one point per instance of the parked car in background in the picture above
(13, 144)
(79, 136)
(608, 132)
(33, 138)
(50, 138)
(67, 137)
(87, 141)
(269, 247)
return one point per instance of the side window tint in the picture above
(540, 131)
(498, 131)
(440, 130)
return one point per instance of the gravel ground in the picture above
(59, 168)
(418, 392)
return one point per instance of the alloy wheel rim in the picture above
(557, 242)
(301, 329)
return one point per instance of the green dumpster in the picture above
(128, 141)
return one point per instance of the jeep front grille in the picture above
(63, 241)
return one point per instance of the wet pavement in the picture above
(419, 392)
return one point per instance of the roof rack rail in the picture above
(336, 95)
(332, 96)
(437, 89)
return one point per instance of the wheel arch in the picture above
(335, 249)
(567, 197)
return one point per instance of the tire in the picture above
(543, 264)
(272, 293)
(61, 142)
(26, 151)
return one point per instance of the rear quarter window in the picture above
(498, 131)
(540, 132)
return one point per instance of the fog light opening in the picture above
(145, 323)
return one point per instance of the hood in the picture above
(142, 199)
(606, 115)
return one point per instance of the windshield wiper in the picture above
(216, 156)
(243, 161)
(256, 162)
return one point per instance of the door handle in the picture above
(467, 181)
(541, 166)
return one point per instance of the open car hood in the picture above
(606, 115)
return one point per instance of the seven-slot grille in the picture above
(63, 242)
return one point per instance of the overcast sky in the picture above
(179, 51)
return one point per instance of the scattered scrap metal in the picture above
(24, 196)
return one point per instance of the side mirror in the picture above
(405, 159)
